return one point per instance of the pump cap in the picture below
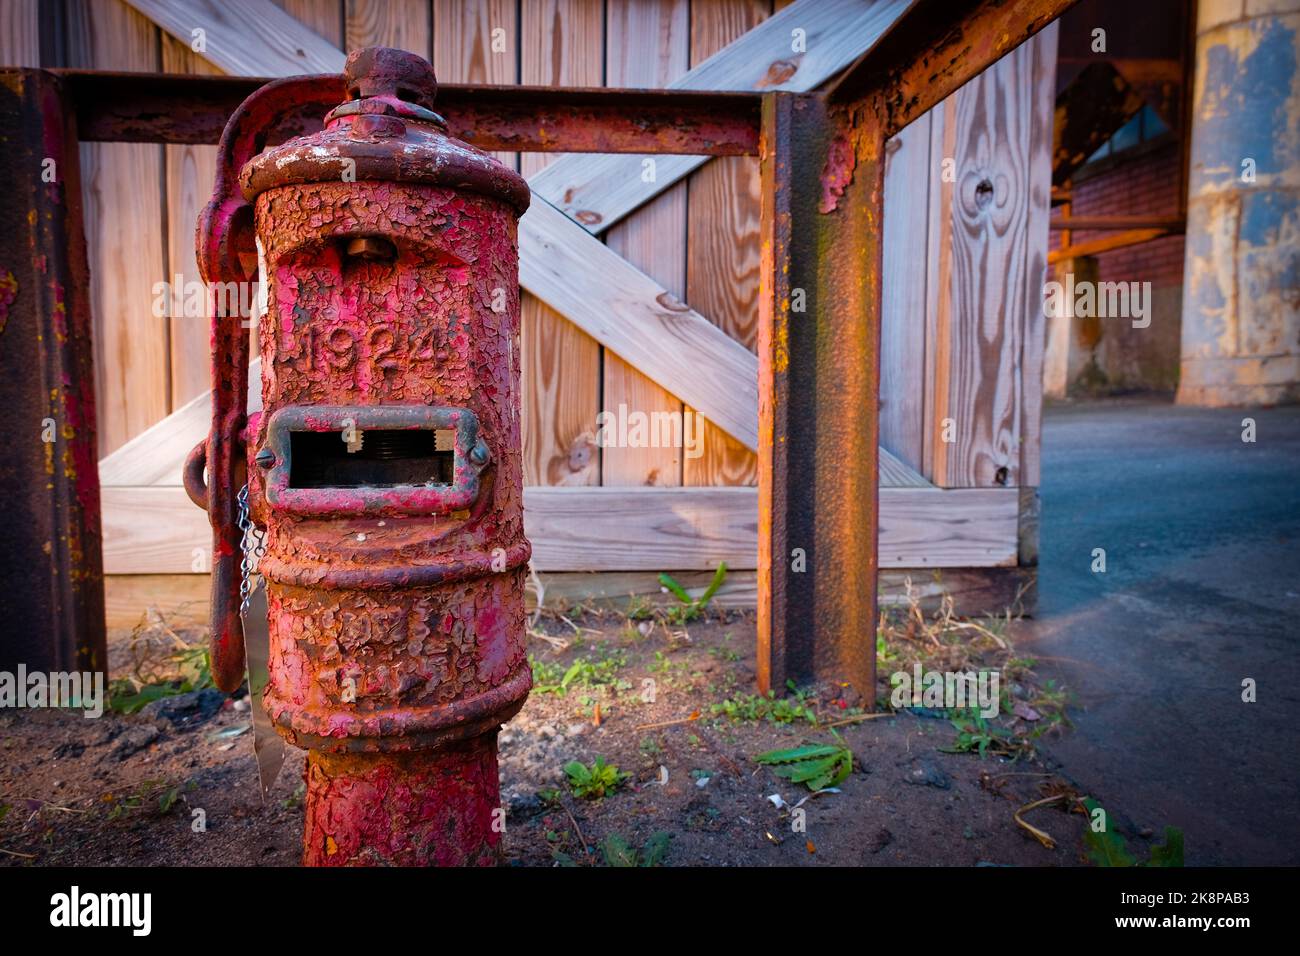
(386, 131)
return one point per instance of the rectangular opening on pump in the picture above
(372, 458)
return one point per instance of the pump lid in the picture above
(386, 130)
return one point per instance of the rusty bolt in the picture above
(372, 249)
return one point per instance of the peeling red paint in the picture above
(396, 612)
(404, 809)
(841, 159)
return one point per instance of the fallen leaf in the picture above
(1025, 712)
(235, 731)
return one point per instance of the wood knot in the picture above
(671, 302)
(779, 72)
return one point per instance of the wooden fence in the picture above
(962, 331)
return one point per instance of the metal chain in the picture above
(252, 545)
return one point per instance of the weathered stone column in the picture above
(1241, 282)
(1070, 355)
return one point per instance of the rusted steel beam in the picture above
(152, 108)
(52, 601)
(819, 332)
(819, 379)
(935, 49)
(1118, 223)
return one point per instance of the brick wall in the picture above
(1143, 182)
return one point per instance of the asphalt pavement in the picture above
(1201, 591)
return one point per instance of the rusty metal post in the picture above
(52, 601)
(386, 464)
(819, 373)
(819, 368)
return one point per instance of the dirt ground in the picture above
(669, 704)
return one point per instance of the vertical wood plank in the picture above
(401, 24)
(983, 306)
(122, 189)
(477, 42)
(560, 363)
(647, 45)
(723, 237)
(908, 175)
(323, 17)
(561, 46)
(462, 37)
(20, 33)
(190, 173)
(1042, 109)
(936, 270)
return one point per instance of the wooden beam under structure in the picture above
(1093, 247)
(182, 599)
(1118, 223)
(157, 530)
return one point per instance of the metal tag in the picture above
(267, 744)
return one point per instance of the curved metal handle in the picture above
(227, 253)
(192, 474)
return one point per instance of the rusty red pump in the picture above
(385, 465)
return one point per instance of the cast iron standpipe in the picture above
(385, 466)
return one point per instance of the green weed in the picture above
(816, 766)
(688, 608)
(618, 852)
(595, 781)
(1108, 848)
